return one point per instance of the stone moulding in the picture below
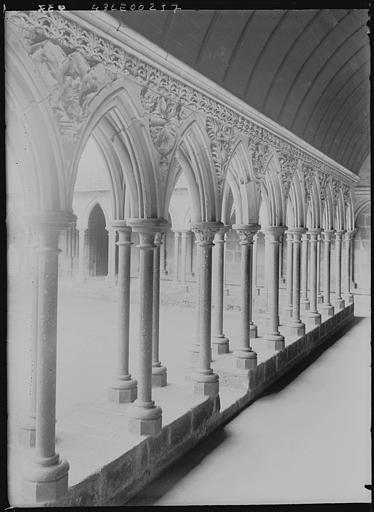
(118, 60)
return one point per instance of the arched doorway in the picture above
(98, 246)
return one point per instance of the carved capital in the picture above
(246, 232)
(274, 233)
(205, 232)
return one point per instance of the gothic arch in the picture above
(26, 98)
(82, 223)
(295, 203)
(274, 192)
(114, 111)
(195, 159)
(239, 171)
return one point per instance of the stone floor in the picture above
(86, 365)
(306, 443)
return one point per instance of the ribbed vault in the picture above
(308, 70)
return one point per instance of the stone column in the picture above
(124, 388)
(145, 416)
(159, 373)
(289, 292)
(220, 344)
(339, 301)
(176, 255)
(255, 242)
(111, 277)
(273, 335)
(296, 326)
(245, 357)
(206, 382)
(163, 256)
(195, 349)
(319, 294)
(313, 317)
(281, 248)
(183, 256)
(304, 301)
(83, 251)
(266, 272)
(189, 254)
(327, 309)
(45, 476)
(348, 245)
(27, 428)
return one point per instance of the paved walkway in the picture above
(306, 443)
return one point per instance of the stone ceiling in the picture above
(308, 70)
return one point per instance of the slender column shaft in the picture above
(196, 342)
(176, 255)
(46, 476)
(183, 256)
(83, 250)
(273, 234)
(188, 254)
(111, 254)
(255, 244)
(145, 417)
(47, 332)
(289, 288)
(296, 277)
(206, 382)
(304, 271)
(124, 388)
(313, 271)
(327, 283)
(281, 247)
(319, 294)
(220, 342)
(158, 371)
(246, 358)
(338, 254)
(348, 275)
(28, 425)
(145, 323)
(267, 271)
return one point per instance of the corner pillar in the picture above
(348, 296)
(304, 301)
(296, 326)
(339, 301)
(289, 287)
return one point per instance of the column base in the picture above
(275, 341)
(348, 298)
(123, 391)
(45, 479)
(252, 331)
(245, 359)
(296, 329)
(27, 432)
(287, 312)
(145, 419)
(327, 310)
(159, 376)
(206, 384)
(305, 304)
(319, 299)
(340, 304)
(220, 345)
(313, 319)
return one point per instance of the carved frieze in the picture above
(78, 63)
(323, 180)
(335, 187)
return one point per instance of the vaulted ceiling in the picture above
(308, 70)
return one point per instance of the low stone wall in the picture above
(125, 476)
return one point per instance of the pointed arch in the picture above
(30, 120)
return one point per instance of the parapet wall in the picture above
(125, 476)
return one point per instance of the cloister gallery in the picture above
(187, 155)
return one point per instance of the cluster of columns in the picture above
(46, 476)
(304, 275)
